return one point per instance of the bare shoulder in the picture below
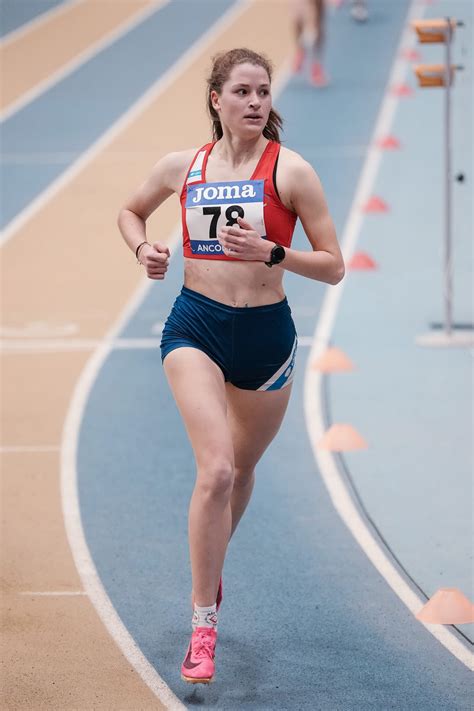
(293, 174)
(167, 177)
(294, 165)
(174, 166)
(180, 159)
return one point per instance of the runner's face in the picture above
(245, 102)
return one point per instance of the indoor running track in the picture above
(323, 628)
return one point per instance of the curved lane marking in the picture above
(72, 513)
(313, 396)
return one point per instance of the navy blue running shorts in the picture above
(255, 347)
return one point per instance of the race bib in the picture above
(210, 206)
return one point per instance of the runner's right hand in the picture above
(155, 259)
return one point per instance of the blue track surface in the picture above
(414, 404)
(15, 13)
(45, 137)
(325, 631)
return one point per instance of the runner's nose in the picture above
(254, 103)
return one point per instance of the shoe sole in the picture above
(190, 680)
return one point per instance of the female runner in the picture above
(309, 16)
(228, 346)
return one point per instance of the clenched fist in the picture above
(155, 259)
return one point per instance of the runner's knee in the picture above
(216, 479)
(243, 476)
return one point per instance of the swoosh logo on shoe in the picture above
(188, 664)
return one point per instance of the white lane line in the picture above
(53, 345)
(22, 449)
(313, 397)
(81, 59)
(62, 346)
(37, 22)
(38, 329)
(71, 508)
(54, 594)
(120, 125)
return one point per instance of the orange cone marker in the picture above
(375, 204)
(333, 360)
(448, 606)
(388, 143)
(342, 438)
(361, 260)
(402, 90)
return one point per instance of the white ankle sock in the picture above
(205, 616)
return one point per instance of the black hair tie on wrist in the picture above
(138, 248)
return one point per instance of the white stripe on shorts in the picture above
(284, 373)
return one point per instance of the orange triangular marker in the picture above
(361, 260)
(412, 55)
(402, 90)
(375, 204)
(333, 360)
(341, 438)
(388, 142)
(448, 606)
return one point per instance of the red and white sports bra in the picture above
(206, 207)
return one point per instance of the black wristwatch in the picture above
(277, 255)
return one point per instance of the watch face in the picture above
(278, 254)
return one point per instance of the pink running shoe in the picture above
(318, 76)
(218, 598)
(198, 666)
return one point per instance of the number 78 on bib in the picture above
(210, 206)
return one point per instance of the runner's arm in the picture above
(324, 262)
(157, 188)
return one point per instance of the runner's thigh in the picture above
(254, 419)
(198, 386)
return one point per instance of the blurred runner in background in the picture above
(309, 28)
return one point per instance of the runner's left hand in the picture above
(243, 242)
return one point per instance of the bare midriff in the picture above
(241, 283)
